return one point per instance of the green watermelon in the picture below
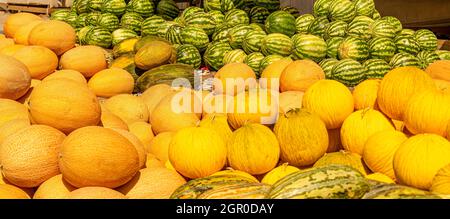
(443, 54)
(167, 9)
(189, 55)
(404, 59)
(214, 54)
(327, 65)
(116, 7)
(266, 61)
(426, 58)
(239, 4)
(365, 7)
(190, 11)
(132, 21)
(253, 60)
(281, 22)
(163, 28)
(333, 46)
(99, 36)
(253, 41)
(277, 44)
(201, 20)
(407, 32)
(150, 25)
(237, 16)
(382, 48)
(122, 34)
(196, 37)
(174, 34)
(376, 68)
(360, 27)
(336, 29)
(257, 26)
(406, 44)
(95, 5)
(221, 32)
(426, 40)
(376, 15)
(258, 14)
(394, 22)
(211, 5)
(237, 34)
(309, 46)
(59, 14)
(271, 5)
(291, 10)
(382, 28)
(226, 5)
(302, 23)
(217, 17)
(342, 10)
(82, 6)
(145, 8)
(82, 33)
(72, 19)
(318, 26)
(353, 48)
(108, 21)
(92, 18)
(236, 55)
(81, 20)
(349, 72)
(322, 8)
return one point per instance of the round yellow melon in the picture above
(216, 104)
(109, 120)
(290, 100)
(93, 192)
(153, 183)
(143, 131)
(153, 162)
(234, 78)
(380, 178)
(128, 107)
(12, 192)
(53, 188)
(15, 78)
(67, 74)
(278, 172)
(154, 94)
(232, 172)
(22, 34)
(30, 156)
(39, 60)
(365, 94)
(137, 144)
(300, 75)
(442, 84)
(270, 77)
(441, 182)
(12, 127)
(342, 158)
(217, 123)
(111, 82)
(334, 140)
(12, 110)
(65, 105)
(11, 50)
(159, 146)
(15, 21)
(56, 35)
(88, 60)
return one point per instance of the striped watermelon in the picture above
(404, 59)
(201, 20)
(342, 10)
(258, 14)
(382, 28)
(239, 4)
(443, 54)
(237, 16)
(92, 18)
(95, 5)
(190, 11)
(426, 58)
(116, 7)
(217, 17)
(308, 46)
(81, 20)
(132, 20)
(253, 41)
(174, 34)
(122, 34)
(333, 46)
(382, 48)
(302, 23)
(322, 8)
(281, 22)
(226, 5)
(150, 25)
(407, 32)
(214, 54)
(318, 26)
(211, 5)
(179, 21)
(277, 44)
(253, 60)
(406, 44)
(266, 61)
(426, 40)
(327, 65)
(237, 34)
(71, 19)
(394, 22)
(59, 14)
(360, 27)
(376, 68)
(353, 48)
(167, 9)
(349, 72)
(291, 10)
(236, 55)
(82, 33)
(99, 36)
(271, 5)
(221, 32)
(376, 15)
(196, 37)
(336, 29)
(81, 6)
(189, 55)
(145, 8)
(109, 21)
(257, 26)
(365, 7)
(163, 28)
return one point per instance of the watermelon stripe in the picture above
(277, 44)
(349, 72)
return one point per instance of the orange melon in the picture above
(270, 77)
(365, 94)
(439, 70)
(11, 49)
(25, 99)
(11, 110)
(300, 75)
(39, 60)
(234, 78)
(109, 120)
(153, 162)
(67, 74)
(128, 107)
(143, 131)
(111, 82)
(22, 34)
(14, 78)
(15, 21)
(142, 154)
(88, 60)
(55, 35)
(54, 188)
(12, 192)
(154, 94)
(159, 145)
(95, 193)
(6, 43)
(12, 127)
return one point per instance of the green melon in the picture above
(376, 68)
(95, 5)
(221, 32)
(196, 37)
(342, 10)
(211, 5)
(407, 32)
(122, 34)
(167, 9)
(81, 20)
(237, 34)
(336, 29)
(281, 22)
(81, 6)
(109, 21)
(174, 34)
(59, 14)
(236, 17)
(201, 20)
(360, 27)
(271, 5)
(291, 10)
(266, 61)
(258, 14)
(236, 55)
(99, 36)
(302, 23)
(92, 18)
(365, 7)
(383, 28)
(318, 26)
(145, 8)
(394, 22)
(151, 25)
(217, 17)
(426, 58)
(443, 54)
(116, 7)
(132, 20)
(82, 33)
(164, 27)
(349, 72)
(192, 10)
(322, 8)
(353, 48)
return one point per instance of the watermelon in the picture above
(266, 61)
(327, 65)
(163, 28)
(322, 8)
(302, 23)
(365, 7)
(407, 32)
(81, 34)
(309, 46)
(394, 22)
(330, 182)
(349, 72)
(188, 54)
(221, 32)
(59, 14)
(226, 5)
(404, 59)
(271, 5)
(236, 55)
(174, 34)
(426, 40)
(95, 5)
(211, 5)
(237, 34)
(360, 27)
(258, 14)
(382, 48)
(426, 58)
(214, 54)
(240, 4)
(253, 41)
(376, 15)
(122, 34)
(335, 29)
(353, 48)
(281, 22)
(82, 6)
(92, 18)
(318, 26)
(81, 20)
(99, 36)
(257, 26)
(406, 44)
(132, 20)
(109, 21)
(291, 10)
(342, 10)
(145, 8)
(333, 46)
(190, 11)
(201, 20)
(253, 60)
(443, 54)
(195, 36)
(150, 25)
(382, 28)
(72, 19)
(376, 68)
(167, 9)
(217, 17)
(277, 44)
(236, 16)
(116, 7)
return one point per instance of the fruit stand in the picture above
(223, 99)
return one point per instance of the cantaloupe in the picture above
(153, 95)
(56, 35)
(39, 60)
(12, 127)
(22, 34)
(137, 144)
(159, 145)
(300, 75)
(11, 110)
(234, 78)
(29, 191)
(15, 78)
(143, 131)
(16, 21)
(12, 192)
(95, 193)
(67, 74)
(111, 82)
(128, 107)
(270, 77)
(54, 188)
(88, 60)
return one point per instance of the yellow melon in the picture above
(216, 104)
(153, 162)
(278, 172)
(11, 110)
(111, 82)
(93, 192)
(15, 78)
(270, 77)
(6, 43)
(109, 120)
(300, 75)
(219, 124)
(234, 78)
(442, 84)
(88, 60)
(12, 192)
(53, 188)
(16, 21)
(169, 166)
(342, 158)
(29, 191)
(365, 94)
(380, 178)
(159, 145)
(154, 94)
(22, 34)
(143, 131)
(232, 172)
(56, 35)
(25, 99)
(441, 182)
(67, 74)
(290, 100)
(137, 144)
(128, 107)
(11, 50)
(399, 125)
(39, 60)
(12, 127)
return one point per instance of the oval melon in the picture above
(154, 94)
(109, 120)
(137, 144)
(56, 35)
(95, 193)
(111, 82)
(159, 145)
(11, 49)
(12, 192)
(11, 110)
(39, 60)
(67, 74)
(143, 131)
(128, 107)
(22, 34)
(54, 188)
(88, 60)
(12, 127)
(15, 78)
(15, 21)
